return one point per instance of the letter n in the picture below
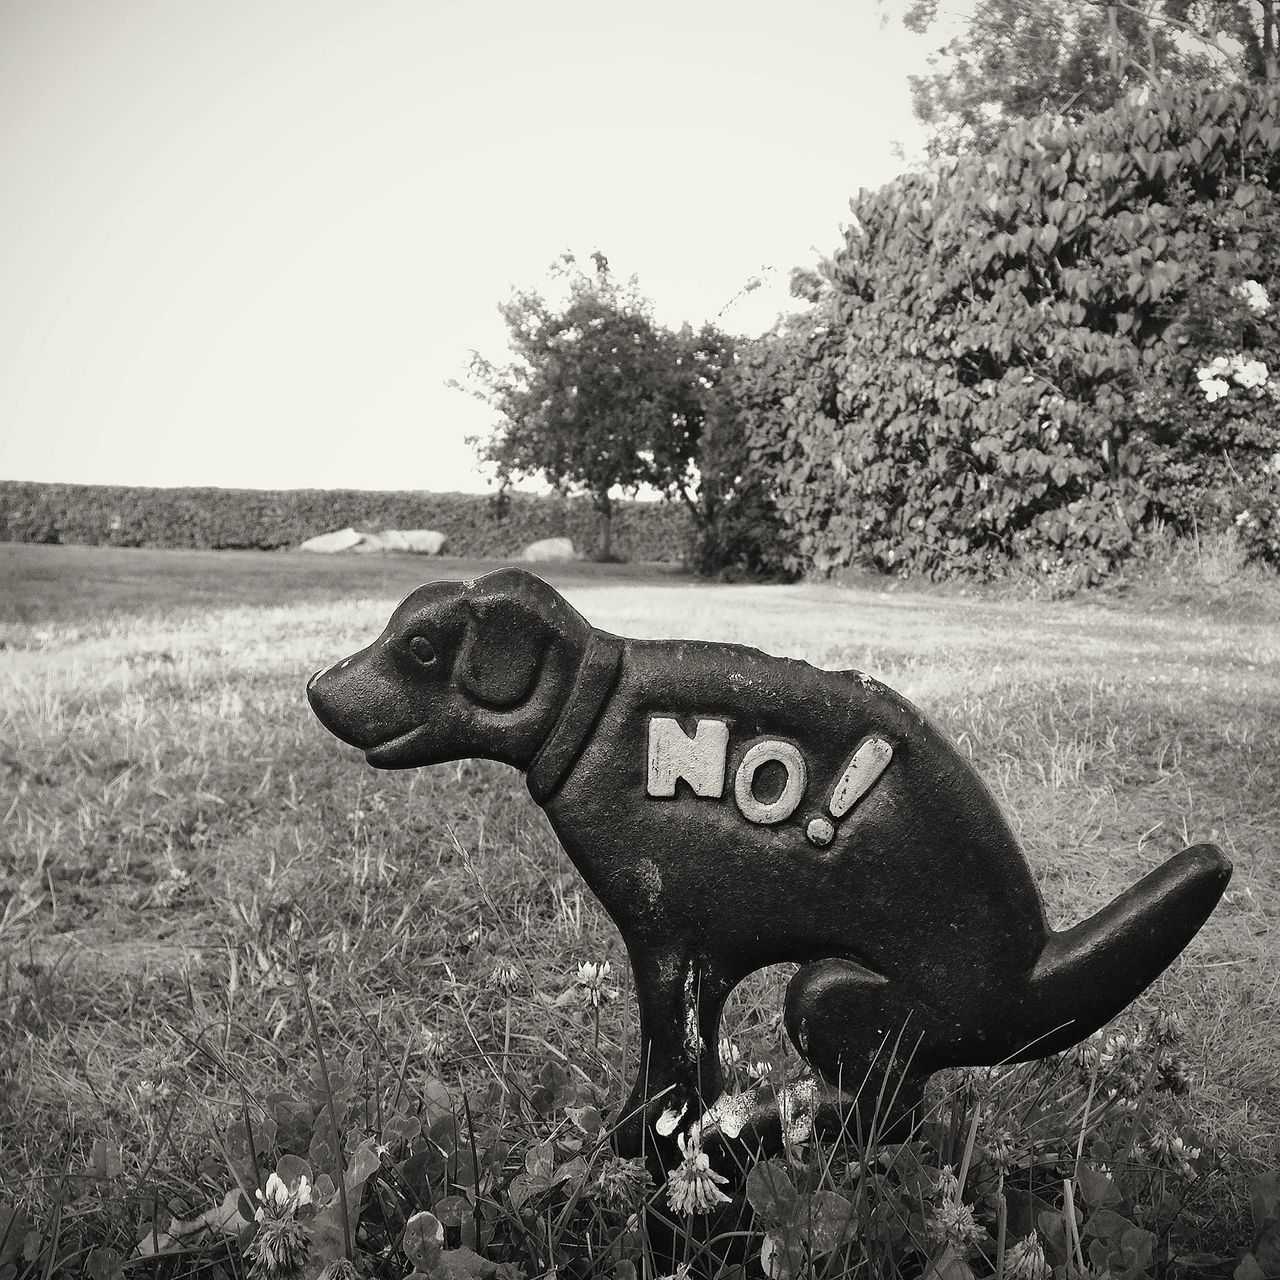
(699, 760)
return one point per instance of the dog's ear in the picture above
(503, 652)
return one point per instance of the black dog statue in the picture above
(733, 810)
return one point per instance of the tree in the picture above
(699, 362)
(1014, 59)
(599, 397)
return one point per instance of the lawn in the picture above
(190, 863)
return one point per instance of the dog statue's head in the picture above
(462, 669)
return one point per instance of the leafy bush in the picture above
(783, 381)
(1205, 421)
(475, 525)
(739, 532)
(1003, 365)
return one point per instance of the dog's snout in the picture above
(329, 699)
(317, 687)
(357, 701)
(315, 692)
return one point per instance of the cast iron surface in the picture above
(732, 810)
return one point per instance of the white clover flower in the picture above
(1174, 1076)
(1088, 1052)
(1165, 1028)
(434, 1044)
(1025, 1260)
(1254, 295)
(280, 1249)
(1000, 1147)
(953, 1222)
(1214, 388)
(280, 1200)
(339, 1269)
(1167, 1149)
(276, 1194)
(693, 1186)
(730, 1055)
(1123, 1064)
(621, 1184)
(594, 980)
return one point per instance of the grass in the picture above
(201, 892)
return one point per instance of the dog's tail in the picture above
(1088, 974)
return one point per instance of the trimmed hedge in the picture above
(1004, 366)
(475, 525)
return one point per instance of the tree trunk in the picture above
(604, 505)
(1270, 69)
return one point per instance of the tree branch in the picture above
(1179, 24)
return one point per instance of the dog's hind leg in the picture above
(854, 1029)
(681, 997)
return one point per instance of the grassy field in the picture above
(192, 869)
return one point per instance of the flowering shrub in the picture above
(1205, 418)
(1004, 363)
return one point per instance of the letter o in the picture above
(785, 805)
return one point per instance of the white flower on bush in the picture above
(1213, 377)
(1254, 295)
(1248, 373)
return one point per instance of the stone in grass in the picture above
(331, 543)
(549, 549)
(426, 542)
(423, 542)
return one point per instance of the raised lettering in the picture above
(792, 793)
(699, 760)
(861, 774)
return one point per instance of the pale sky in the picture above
(247, 242)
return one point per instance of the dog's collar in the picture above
(559, 753)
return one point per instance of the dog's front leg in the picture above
(681, 996)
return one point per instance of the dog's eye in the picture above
(423, 650)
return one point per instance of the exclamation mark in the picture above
(865, 766)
